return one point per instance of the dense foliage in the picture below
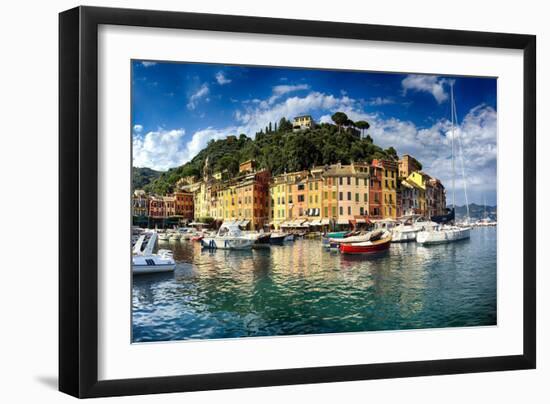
(280, 150)
(142, 176)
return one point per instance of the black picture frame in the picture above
(78, 201)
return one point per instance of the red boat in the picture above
(367, 247)
(197, 238)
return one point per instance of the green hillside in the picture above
(279, 150)
(142, 176)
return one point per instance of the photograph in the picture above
(272, 201)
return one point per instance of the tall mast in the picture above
(453, 141)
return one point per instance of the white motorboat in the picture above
(409, 227)
(444, 234)
(229, 237)
(145, 262)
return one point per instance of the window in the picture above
(310, 186)
(341, 180)
(366, 197)
(371, 183)
(340, 195)
(301, 187)
(361, 211)
(349, 210)
(356, 197)
(333, 194)
(366, 182)
(325, 195)
(301, 198)
(316, 185)
(334, 211)
(349, 196)
(310, 199)
(326, 211)
(316, 199)
(341, 210)
(349, 180)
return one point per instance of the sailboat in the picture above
(445, 233)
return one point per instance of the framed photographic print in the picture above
(250, 201)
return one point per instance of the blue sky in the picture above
(178, 107)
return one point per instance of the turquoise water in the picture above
(301, 288)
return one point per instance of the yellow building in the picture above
(279, 199)
(389, 187)
(314, 208)
(418, 180)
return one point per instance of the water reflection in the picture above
(301, 288)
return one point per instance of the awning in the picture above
(315, 223)
(244, 223)
(342, 221)
(360, 220)
(325, 222)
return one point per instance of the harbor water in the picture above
(302, 288)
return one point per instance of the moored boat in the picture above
(367, 247)
(444, 234)
(145, 262)
(277, 238)
(229, 237)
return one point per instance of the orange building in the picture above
(184, 204)
(375, 192)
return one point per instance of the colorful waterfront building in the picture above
(329, 208)
(140, 203)
(252, 196)
(375, 191)
(314, 208)
(169, 205)
(184, 204)
(156, 207)
(352, 191)
(407, 165)
(389, 187)
(418, 180)
(279, 192)
(298, 196)
(436, 199)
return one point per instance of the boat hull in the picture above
(404, 236)
(227, 244)
(442, 236)
(152, 269)
(365, 248)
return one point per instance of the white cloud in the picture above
(221, 79)
(200, 93)
(148, 64)
(138, 128)
(159, 150)
(255, 118)
(430, 84)
(282, 89)
(377, 101)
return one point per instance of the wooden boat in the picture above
(367, 247)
